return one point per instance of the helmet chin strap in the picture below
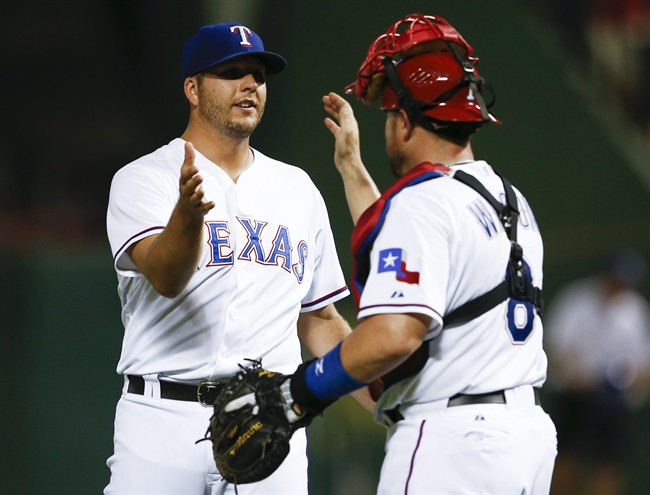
(471, 80)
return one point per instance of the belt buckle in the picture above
(207, 392)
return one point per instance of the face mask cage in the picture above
(407, 36)
(460, 106)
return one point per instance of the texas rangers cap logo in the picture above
(244, 33)
(393, 260)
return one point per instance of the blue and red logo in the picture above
(392, 260)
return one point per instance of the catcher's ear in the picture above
(405, 125)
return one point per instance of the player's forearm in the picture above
(172, 269)
(375, 347)
(363, 398)
(321, 330)
(381, 343)
(171, 258)
(360, 190)
(359, 199)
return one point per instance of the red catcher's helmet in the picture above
(430, 70)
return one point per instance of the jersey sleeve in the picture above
(409, 264)
(328, 284)
(140, 203)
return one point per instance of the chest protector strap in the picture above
(517, 284)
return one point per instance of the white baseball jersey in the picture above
(441, 245)
(268, 254)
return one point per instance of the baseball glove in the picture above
(252, 424)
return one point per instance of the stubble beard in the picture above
(396, 159)
(218, 115)
(396, 164)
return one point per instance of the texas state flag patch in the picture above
(393, 260)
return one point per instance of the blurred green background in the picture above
(90, 86)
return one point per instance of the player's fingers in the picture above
(206, 206)
(190, 183)
(332, 126)
(346, 112)
(198, 202)
(198, 205)
(193, 195)
(346, 124)
(332, 111)
(335, 98)
(339, 103)
(329, 100)
(335, 101)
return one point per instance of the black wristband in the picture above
(302, 395)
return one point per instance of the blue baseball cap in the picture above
(218, 43)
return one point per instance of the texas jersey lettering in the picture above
(278, 252)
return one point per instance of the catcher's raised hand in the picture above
(360, 189)
(347, 150)
(192, 198)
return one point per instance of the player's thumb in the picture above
(189, 154)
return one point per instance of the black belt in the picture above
(205, 393)
(465, 400)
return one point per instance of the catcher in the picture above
(447, 282)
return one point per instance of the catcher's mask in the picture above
(430, 73)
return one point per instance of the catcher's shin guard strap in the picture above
(318, 383)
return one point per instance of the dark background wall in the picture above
(90, 86)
